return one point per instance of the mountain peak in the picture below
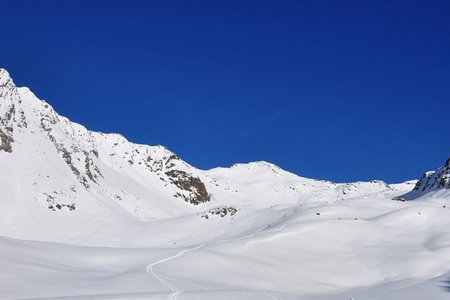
(5, 80)
(3, 73)
(437, 181)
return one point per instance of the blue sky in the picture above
(339, 90)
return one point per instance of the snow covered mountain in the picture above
(88, 215)
(433, 183)
(58, 172)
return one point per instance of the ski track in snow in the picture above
(164, 279)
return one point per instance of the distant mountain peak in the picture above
(437, 181)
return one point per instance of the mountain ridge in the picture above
(62, 172)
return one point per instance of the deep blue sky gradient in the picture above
(339, 90)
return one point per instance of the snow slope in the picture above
(88, 215)
(392, 250)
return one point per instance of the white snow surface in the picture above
(87, 215)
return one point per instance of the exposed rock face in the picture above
(432, 181)
(435, 179)
(196, 189)
(11, 114)
(6, 140)
(221, 212)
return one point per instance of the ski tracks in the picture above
(165, 280)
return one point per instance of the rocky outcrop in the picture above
(11, 114)
(220, 212)
(6, 140)
(196, 189)
(435, 179)
(432, 181)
